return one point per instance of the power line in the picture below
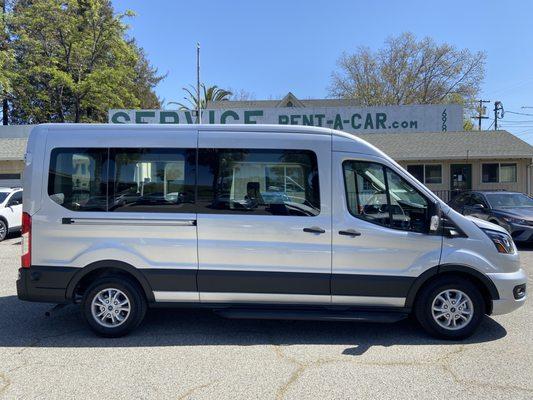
(510, 86)
(519, 120)
(519, 113)
(522, 132)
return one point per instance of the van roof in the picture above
(271, 128)
(210, 127)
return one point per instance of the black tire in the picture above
(424, 304)
(130, 290)
(3, 230)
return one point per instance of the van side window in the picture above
(258, 181)
(377, 194)
(152, 180)
(77, 178)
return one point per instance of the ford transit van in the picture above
(257, 221)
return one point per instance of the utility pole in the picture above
(198, 100)
(481, 112)
(5, 105)
(498, 106)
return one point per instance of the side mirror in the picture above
(13, 203)
(478, 207)
(434, 223)
(435, 220)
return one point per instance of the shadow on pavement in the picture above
(23, 324)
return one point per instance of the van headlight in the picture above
(503, 242)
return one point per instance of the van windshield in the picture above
(3, 196)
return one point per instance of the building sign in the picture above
(413, 118)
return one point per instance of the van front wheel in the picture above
(450, 308)
(113, 306)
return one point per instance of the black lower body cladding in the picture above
(44, 284)
(49, 284)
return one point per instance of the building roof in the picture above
(289, 100)
(12, 148)
(450, 145)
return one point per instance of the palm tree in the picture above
(212, 93)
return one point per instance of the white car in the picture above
(10, 211)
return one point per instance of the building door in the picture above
(460, 178)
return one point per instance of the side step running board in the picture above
(312, 315)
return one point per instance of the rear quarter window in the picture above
(77, 178)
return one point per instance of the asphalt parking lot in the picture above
(185, 354)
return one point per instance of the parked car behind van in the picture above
(269, 222)
(512, 210)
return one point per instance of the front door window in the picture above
(377, 194)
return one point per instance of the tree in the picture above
(241, 95)
(146, 79)
(73, 62)
(207, 94)
(408, 71)
(6, 62)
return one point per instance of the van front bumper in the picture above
(511, 289)
(43, 284)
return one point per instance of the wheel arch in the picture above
(99, 268)
(484, 284)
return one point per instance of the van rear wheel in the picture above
(113, 306)
(450, 308)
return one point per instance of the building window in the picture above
(9, 176)
(498, 173)
(507, 173)
(428, 173)
(417, 171)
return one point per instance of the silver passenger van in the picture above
(259, 221)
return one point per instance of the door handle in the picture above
(350, 232)
(314, 229)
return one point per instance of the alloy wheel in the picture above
(110, 307)
(452, 309)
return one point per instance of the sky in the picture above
(268, 48)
